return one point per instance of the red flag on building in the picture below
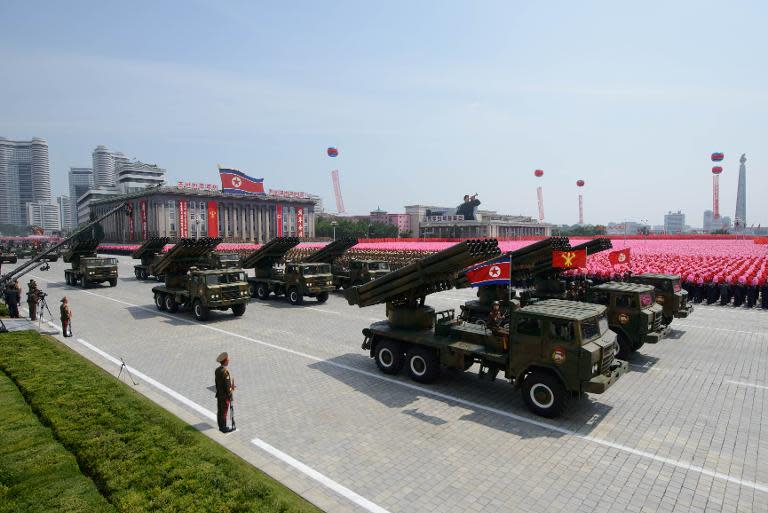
(213, 219)
(619, 257)
(143, 214)
(279, 219)
(495, 272)
(569, 259)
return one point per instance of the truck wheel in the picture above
(625, 347)
(544, 394)
(137, 273)
(67, 279)
(423, 365)
(322, 297)
(113, 282)
(200, 311)
(160, 301)
(83, 282)
(294, 297)
(389, 356)
(170, 303)
(238, 309)
(262, 291)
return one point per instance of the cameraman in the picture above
(33, 298)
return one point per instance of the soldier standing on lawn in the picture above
(225, 386)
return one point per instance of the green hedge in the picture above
(141, 457)
(36, 472)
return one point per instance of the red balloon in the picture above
(539, 173)
(580, 183)
(716, 170)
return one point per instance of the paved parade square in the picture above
(682, 431)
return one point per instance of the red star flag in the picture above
(620, 257)
(495, 272)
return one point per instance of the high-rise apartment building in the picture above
(44, 215)
(105, 164)
(674, 222)
(80, 182)
(65, 212)
(24, 178)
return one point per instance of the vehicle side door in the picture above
(526, 344)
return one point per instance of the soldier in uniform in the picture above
(764, 293)
(725, 292)
(225, 386)
(12, 299)
(66, 317)
(496, 317)
(752, 292)
(738, 292)
(33, 298)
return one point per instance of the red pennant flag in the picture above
(569, 259)
(620, 257)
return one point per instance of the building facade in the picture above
(433, 221)
(402, 221)
(65, 212)
(24, 178)
(80, 182)
(674, 222)
(711, 224)
(44, 215)
(105, 164)
(136, 176)
(179, 212)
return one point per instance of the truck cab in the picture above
(633, 314)
(669, 294)
(359, 272)
(203, 291)
(90, 270)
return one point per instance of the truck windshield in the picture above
(223, 279)
(315, 269)
(378, 266)
(593, 328)
(102, 261)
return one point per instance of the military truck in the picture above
(190, 285)
(295, 280)
(553, 350)
(359, 272)
(8, 257)
(225, 260)
(632, 314)
(148, 253)
(88, 268)
(669, 294)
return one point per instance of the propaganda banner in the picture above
(131, 232)
(183, 219)
(143, 214)
(569, 259)
(300, 222)
(279, 220)
(213, 219)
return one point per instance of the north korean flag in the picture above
(572, 259)
(619, 257)
(234, 181)
(495, 272)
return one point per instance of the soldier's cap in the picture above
(63, 299)
(223, 356)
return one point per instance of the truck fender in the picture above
(368, 341)
(542, 368)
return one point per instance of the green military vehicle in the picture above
(478, 310)
(669, 294)
(190, 285)
(225, 260)
(553, 350)
(295, 280)
(148, 253)
(8, 257)
(88, 268)
(632, 314)
(359, 272)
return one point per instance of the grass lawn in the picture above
(140, 457)
(36, 472)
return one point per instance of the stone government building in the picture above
(206, 212)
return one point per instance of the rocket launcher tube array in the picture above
(267, 255)
(185, 254)
(151, 246)
(331, 251)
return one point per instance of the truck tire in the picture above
(67, 279)
(389, 356)
(170, 303)
(113, 282)
(423, 365)
(83, 282)
(238, 309)
(200, 311)
(322, 297)
(294, 296)
(137, 273)
(544, 394)
(624, 346)
(262, 291)
(160, 301)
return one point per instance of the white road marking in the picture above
(744, 384)
(683, 325)
(301, 467)
(544, 425)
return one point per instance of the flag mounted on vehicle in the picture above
(234, 181)
(495, 272)
(569, 259)
(620, 257)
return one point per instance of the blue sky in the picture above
(425, 100)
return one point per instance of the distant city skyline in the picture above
(423, 108)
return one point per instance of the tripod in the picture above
(124, 366)
(42, 304)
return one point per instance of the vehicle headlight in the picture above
(91, 272)
(243, 292)
(214, 296)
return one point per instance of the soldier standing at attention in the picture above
(66, 316)
(32, 299)
(225, 386)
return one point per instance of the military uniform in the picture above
(65, 316)
(12, 299)
(32, 300)
(224, 388)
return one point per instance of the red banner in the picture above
(143, 213)
(619, 257)
(279, 220)
(569, 259)
(130, 223)
(299, 222)
(183, 219)
(213, 219)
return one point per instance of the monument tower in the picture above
(741, 195)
